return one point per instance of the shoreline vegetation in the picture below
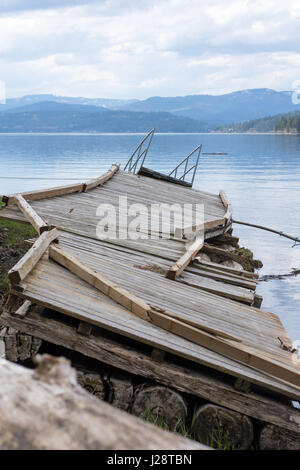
(282, 124)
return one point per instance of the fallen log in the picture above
(46, 409)
(30, 259)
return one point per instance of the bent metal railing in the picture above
(183, 166)
(138, 154)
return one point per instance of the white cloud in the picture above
(138, 49)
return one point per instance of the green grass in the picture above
(16, 232)
(4, 284)
(180, 427)
(14, 235)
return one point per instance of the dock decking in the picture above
(240, 340)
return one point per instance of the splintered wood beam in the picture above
(100, 282)
(226, 204)
(45, 193)
(177, 268)
(36, 221)
(102, 179)
(181, 232)
(30, 259)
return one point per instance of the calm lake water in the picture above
(260, 174)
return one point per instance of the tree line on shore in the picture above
(289, 123)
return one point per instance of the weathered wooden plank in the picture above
(227, 205)
(36, 221)
(30, 259)
(177, 268)
(184, 232)
(46, 193)
(219, 267)
(102, 179)
(199, 383)
(241, 353)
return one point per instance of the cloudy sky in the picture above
(141, 48)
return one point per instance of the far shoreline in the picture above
(143, 133)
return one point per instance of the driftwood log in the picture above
(46, 409)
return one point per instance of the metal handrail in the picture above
(186, 161)
(132, 164)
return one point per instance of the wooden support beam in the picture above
(30, 259)
(226, 204)
(158, 355)
(45, 193)
(257, 301)
(237, 351)
(23, 310)
(102, 179)
(84, 328)
(185, 259)
(36, 221)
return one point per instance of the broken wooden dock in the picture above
(149, 291)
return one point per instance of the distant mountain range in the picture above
(47, 116)
(193, 113)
